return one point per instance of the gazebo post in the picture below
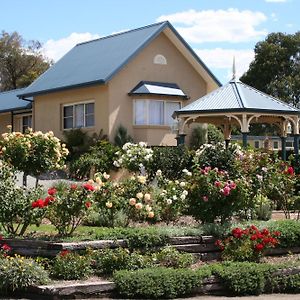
(245, 139)
(283, 148)
(180, 138)
(227, 142)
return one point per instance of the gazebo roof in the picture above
(236, 96)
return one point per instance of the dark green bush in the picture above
(122, 137)
(156, 283)
(18, 273)
(99, 158)
(170, 257)
(71, 266)
(171, 161)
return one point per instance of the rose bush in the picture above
(32, 152)
(247, 244)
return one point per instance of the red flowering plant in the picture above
(67, 205)
(15, 203)
(247, 244)
(214, 196)
(4, 248)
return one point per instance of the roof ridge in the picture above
(239, 92)
(122, 32)
(10, 91)
(270, 96)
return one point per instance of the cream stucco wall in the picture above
(5, 120)
(48, 108)
(178, 70)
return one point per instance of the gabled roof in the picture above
(97, 61)
(157, 88)
(9, 101)
(236, 96)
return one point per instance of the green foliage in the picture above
(275, 69)
(17, 273)
(21, 62)
(217, 156)
(171, 161)
(109, 260)
(198, 137)
(16, 212)
(68, 206)
(244, 278)
(171, 258)
(156, 283)
(100, 158)
(70, 266)
(122, 137)
(263, 208)
(214, 135)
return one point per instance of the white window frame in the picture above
(147, 111)
(277, 143)
(73, 114)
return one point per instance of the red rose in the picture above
(6, 248)
(265, 231)
(88, 187)
(34, 204)
(253, 227)
(276, 233)
(64, 252)
(88, 204)
(259, 247)
(253, 237)
(217, 184)
(73, 187)
(52, 191)
(237, 232)
(290, 170)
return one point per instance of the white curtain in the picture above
(170, 108)
(156, 112)
(79, 115)
(140, 112)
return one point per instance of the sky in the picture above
(217, 30)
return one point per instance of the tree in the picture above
(276, 67)
(21, 62)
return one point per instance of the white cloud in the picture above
(276, 1)
(55, 49)
(220, 58)
(231, 25)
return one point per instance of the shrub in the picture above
(214, 135)
(198, 137)
(17, 273)
(247, 244)
(16, 213)
(109, 260)
(170, 257)
(171, 161)
(244, 278)
(71, 266)
(122, 137)
(100, 158)
(156, 283)
(134, 157)
(213, 195)
(32, 152)
(67, 205)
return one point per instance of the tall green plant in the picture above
(122, 137)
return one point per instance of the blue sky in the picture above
(216, 29)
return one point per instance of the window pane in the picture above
(156, 112)
(68, 111)
(140, 112)
(68, 123)
(89, 108)
(89, 121)
(79, 115)
(170, 108)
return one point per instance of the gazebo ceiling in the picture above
(236, 96)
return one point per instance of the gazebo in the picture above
(238, 104)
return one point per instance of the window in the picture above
(275, 145)
(154, 112)
(256, 144)
(78, 115)
(26, 123)
(289, 144)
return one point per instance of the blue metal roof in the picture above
(9, 101)
(97, 61)
(157, 88)
(238, 97)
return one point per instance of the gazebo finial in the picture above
(233, 69)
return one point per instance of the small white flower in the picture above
(174, 197)
(182, 197)
(158, 173)
(139, 195)
(182, 184)
(169, 201)
(185, 192)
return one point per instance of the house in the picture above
(136, 78)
